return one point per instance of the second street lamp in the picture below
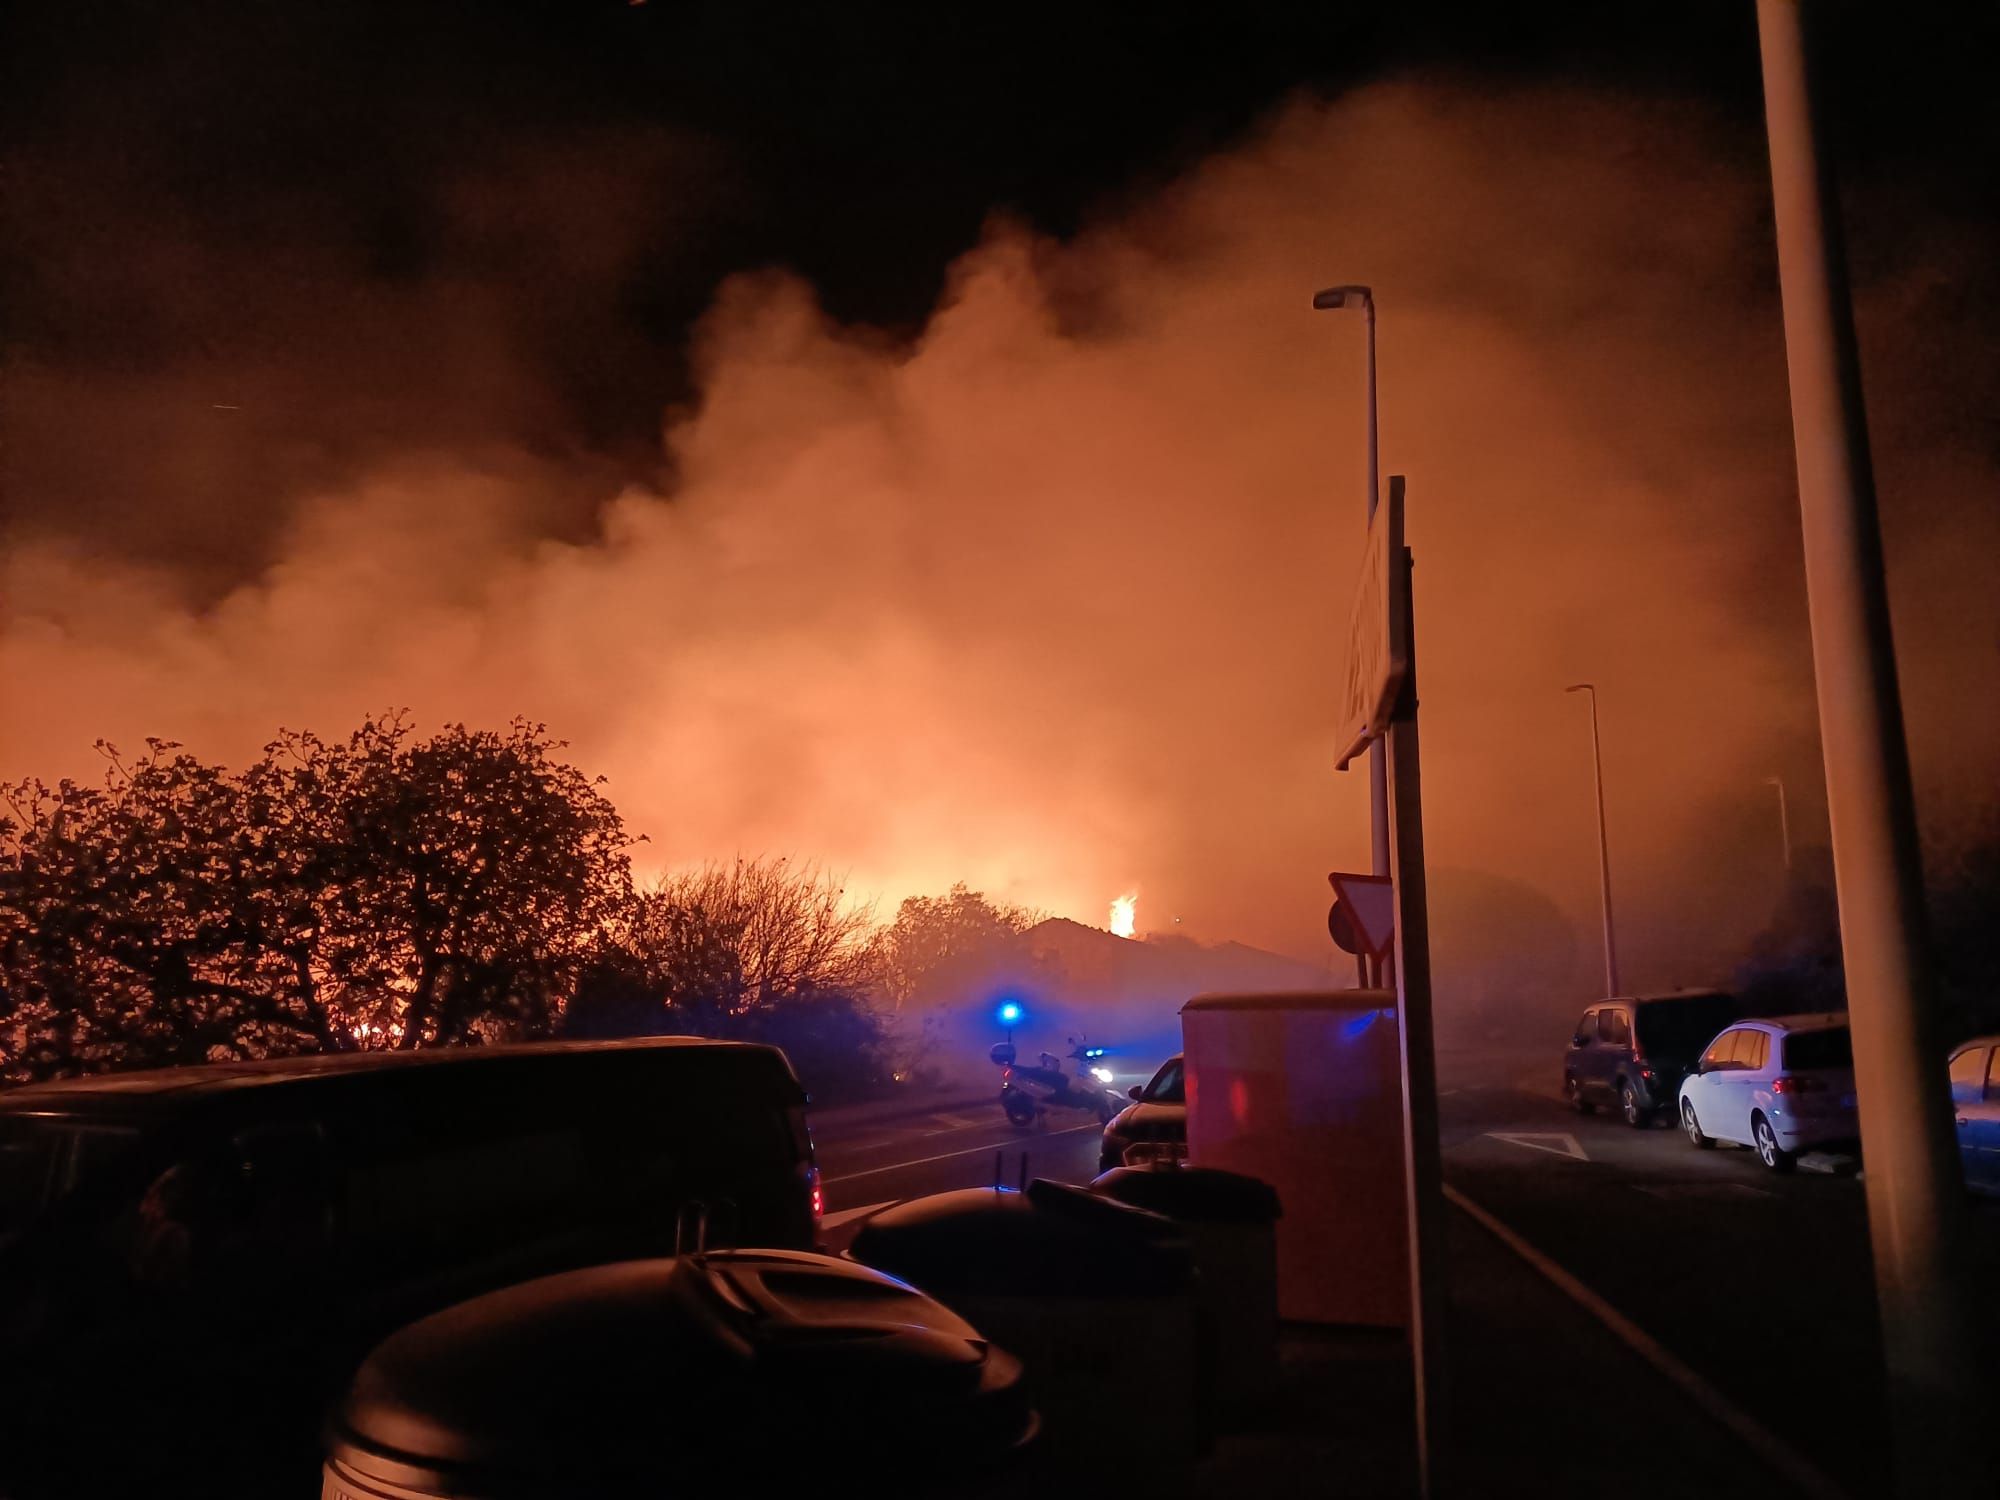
(1603, 843)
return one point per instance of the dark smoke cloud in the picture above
(1049, 597)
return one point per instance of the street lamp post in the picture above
(1784, 818)
(1603, 843)
(1378, 765)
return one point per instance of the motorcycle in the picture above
(1026, 1093)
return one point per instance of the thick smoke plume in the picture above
(1050, 598)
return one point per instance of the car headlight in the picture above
(1102, 1075)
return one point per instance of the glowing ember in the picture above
(1124, 914)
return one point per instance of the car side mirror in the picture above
(1137, 1091)
(1579, 1040)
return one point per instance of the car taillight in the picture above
(818, 1194)
(1797, 1086)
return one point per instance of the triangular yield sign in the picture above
(1565, 1144)
(1371, 903)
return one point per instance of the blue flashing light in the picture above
(1009, 1013)
(1356, 1028)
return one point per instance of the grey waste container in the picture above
(1231, 1224)
(1096, 1298)
(733, 1372)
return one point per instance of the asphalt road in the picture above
(1761, 1283)
(867, 1165)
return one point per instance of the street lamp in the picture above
(1603, 844)
(1784, 817)
(1335, 297)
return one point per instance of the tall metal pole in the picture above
(1423, 1179)
(1603, 845)
(1784, 818)
(1378, 756)
(1915, 1193)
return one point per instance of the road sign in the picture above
(1378, 641)
(1363, 918)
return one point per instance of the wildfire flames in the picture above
(1124, 914)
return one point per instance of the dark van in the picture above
(193, 1260)
(1631, 1053)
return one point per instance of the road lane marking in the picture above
(1767, 1446)
(1538, 1140)
(1019, 1142)
(849, 1215)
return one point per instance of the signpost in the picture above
(1378, 634)
(1380, 700)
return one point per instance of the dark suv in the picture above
(1633, 1052)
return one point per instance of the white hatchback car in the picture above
(1778, 1086)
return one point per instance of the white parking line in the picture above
(1555, 1142)
(1773, 1450)
(1019, 1143)
(849, 1215)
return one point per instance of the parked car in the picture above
(1154, 1124)
(207, 1251)
(1975, 1105)
(1778, 1086)
(1631, 1053)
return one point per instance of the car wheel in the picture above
(1766, 1141)
(1693, 1128)
(1628, 1106)
(1576, 1100)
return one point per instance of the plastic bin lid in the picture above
(1202, 1195)
(1053, 1240)
(757, 1363)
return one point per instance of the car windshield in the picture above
(1684, 1025)
(1166, 1087)
(1831, 1048)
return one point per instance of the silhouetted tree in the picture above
(140, 923)
(946, 949)
(466, 878)
(756, 950)
(379, 891)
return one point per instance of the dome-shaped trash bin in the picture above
(743, 1371)
(1231, 1225)
(1096, 1298)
